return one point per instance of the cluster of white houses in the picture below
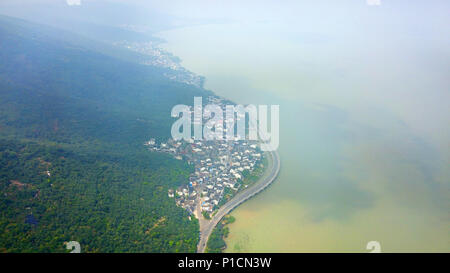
(219, 167)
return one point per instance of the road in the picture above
(206, 227)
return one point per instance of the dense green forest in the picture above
(73, 120)
(107, 202)
(216, 242)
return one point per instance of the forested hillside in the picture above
(73, 119)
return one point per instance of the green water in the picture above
(364, 141)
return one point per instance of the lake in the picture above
(364, 130)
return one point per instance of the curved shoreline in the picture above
(206, 227)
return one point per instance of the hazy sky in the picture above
(319, 13)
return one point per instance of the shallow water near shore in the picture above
(363, 144)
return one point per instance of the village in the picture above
(219, 169)
(156, 56)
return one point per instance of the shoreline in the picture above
(207, 226)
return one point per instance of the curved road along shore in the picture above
(206, 227)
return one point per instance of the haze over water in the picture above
(364, 108)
